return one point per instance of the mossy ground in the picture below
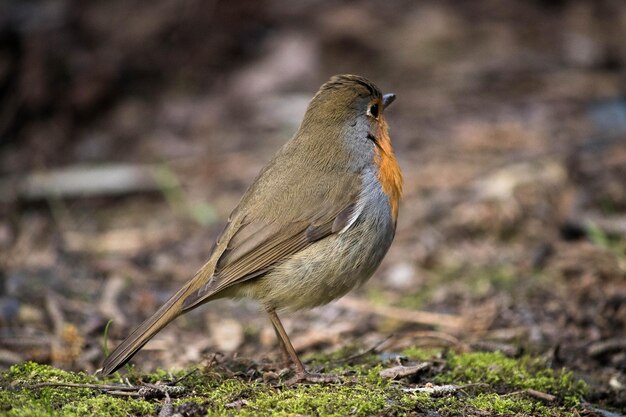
(490, 384)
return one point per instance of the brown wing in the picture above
(257, 246)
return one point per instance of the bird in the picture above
(314, 224)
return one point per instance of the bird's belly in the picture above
(327, 269)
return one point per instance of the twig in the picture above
(615, 224)
(55, 313)
(182, 378)
(359, 355)
(489, 346)
(125, 394)
(80, 181)
(142, 391)
(8, 357)
(441, 336)
(103, 387)
(606, 346)
(167, 410)
(58, 323)
(402, 371)
(434, 389)
(533, 393)
(508, 333)
(328, 335)
(443, 389)
(108, 304)
(447, 321)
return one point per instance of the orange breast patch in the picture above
(389, 173)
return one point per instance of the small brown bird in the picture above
(315, 223)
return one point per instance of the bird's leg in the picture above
(301, 374)
(285, 343)
(283, 349)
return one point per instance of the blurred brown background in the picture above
(129, 130)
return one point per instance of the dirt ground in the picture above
(128, 132)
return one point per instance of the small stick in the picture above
(56, 314)
(372, 349)
(167, 410)
(145, 390)
(446, 321)
(533, 393)
(103, 387)
(448, 338)
(182, 378)
(606, 346)
(80, 181)
(401, 371)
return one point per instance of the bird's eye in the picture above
(373, 111)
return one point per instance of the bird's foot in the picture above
(310, 378)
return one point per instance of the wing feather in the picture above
(258, 246)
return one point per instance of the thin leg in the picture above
(283, 338)
(283, 350)
(301, 374)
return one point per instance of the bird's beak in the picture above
(388, 99)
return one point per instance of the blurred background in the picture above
(129, 130)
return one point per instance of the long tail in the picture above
(142, 334)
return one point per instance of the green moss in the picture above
(20, 401)
(503, 373)
(361, 393)
(489, 404)
(111, 406)
(498, 405)
(358, 399)
(35, 373)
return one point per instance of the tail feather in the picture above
(142, 334)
